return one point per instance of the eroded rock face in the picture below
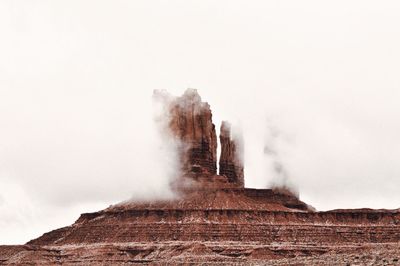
(207, 253)
(229, 226)
(191, 123)
(231, 162)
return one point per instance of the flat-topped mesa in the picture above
(191, 123)
(231, 161)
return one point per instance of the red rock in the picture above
(191, 123)
(231, 162)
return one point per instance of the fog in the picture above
(77, 129)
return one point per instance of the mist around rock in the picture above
(280, 177)
(184, 125)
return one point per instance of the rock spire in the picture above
(231, 161)
(191, 123)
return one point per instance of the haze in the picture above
(76, 114)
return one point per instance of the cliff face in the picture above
(191, 123)
(227, 226)
(231, 162)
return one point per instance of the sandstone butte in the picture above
(215, 219)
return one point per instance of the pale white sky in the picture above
(76, 79)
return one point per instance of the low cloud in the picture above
(278, 173)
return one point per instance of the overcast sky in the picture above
(76, 83)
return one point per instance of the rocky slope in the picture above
(215, 219)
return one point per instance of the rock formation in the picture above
(191, 123)
(231, 159)
(216, 221)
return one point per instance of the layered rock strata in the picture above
(228, 226)
(225, 225)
